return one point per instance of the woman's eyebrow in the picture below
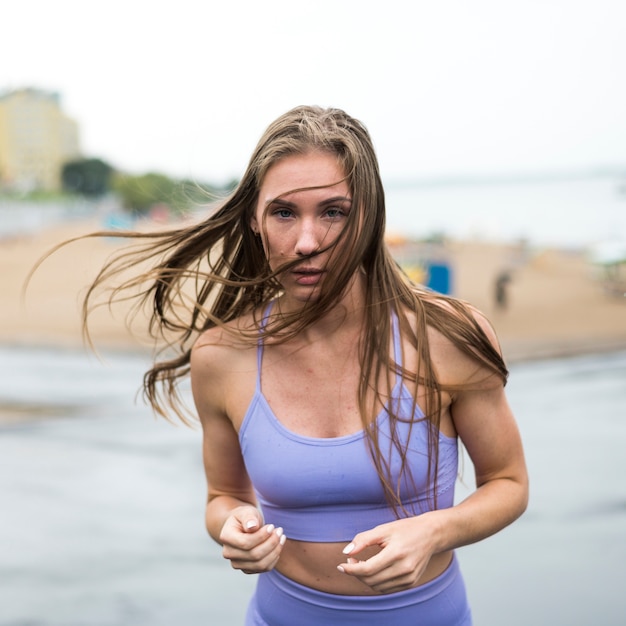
(336, 199)
(325, 201)
(281, 202)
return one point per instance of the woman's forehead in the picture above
(304, 171)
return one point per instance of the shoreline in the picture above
(514, 351)
(555, 303)
(524, 353)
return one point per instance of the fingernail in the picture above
(250, 524)
(270, 529)
(283, 539)
(348, 548)
(279, 531)
(343, 571)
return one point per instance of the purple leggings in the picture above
(278, 601)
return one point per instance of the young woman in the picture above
(332, 392)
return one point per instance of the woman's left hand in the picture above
(406, 546)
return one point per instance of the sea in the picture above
(101, 503)
(576, 211)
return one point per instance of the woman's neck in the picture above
(346, 315)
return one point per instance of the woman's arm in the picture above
(487, 428)
(232, 517)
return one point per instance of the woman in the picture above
(331, 391)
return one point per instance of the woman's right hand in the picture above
(250, 545)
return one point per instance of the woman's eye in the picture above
(334, 213)
(283, 213)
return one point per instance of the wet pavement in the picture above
(101, 504)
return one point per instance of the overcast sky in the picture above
(446, 87)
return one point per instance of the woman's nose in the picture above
(308, 240)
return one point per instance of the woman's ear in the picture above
(254, 225)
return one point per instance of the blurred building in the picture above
(36, 139)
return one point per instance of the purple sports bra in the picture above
(327, 489)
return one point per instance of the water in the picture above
(23, 218)
(565, 213)
(101, 505)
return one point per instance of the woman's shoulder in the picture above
(457, 334)
(223, 367)
(222, 345)
(442, 311)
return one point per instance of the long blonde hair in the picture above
(215, 271)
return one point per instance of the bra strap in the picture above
(397, 343)
(259, 344)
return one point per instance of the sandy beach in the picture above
(555, 302)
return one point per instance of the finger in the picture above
(233, 536)
(255, 548)
(250, 518)
(371, 571)
(364, 540)
(357, 567)
(381, 575)
(252, 523)
(387, 582)
(239, 542)
(261, 558)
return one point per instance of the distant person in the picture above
(501, 287)
(332, 391)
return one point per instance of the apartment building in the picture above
(36, 139)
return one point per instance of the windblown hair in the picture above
(213, 272)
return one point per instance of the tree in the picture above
(141, 193)
(89, 177)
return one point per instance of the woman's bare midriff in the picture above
(315, 565)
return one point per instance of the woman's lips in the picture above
(307, 276)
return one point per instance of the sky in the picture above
(446, 87)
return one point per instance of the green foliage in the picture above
(145, 192)
(88, 177)
(37, 195)
(140, 193)
(151, 191)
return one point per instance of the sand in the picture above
(556, 301)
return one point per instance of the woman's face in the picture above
(295, 224)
